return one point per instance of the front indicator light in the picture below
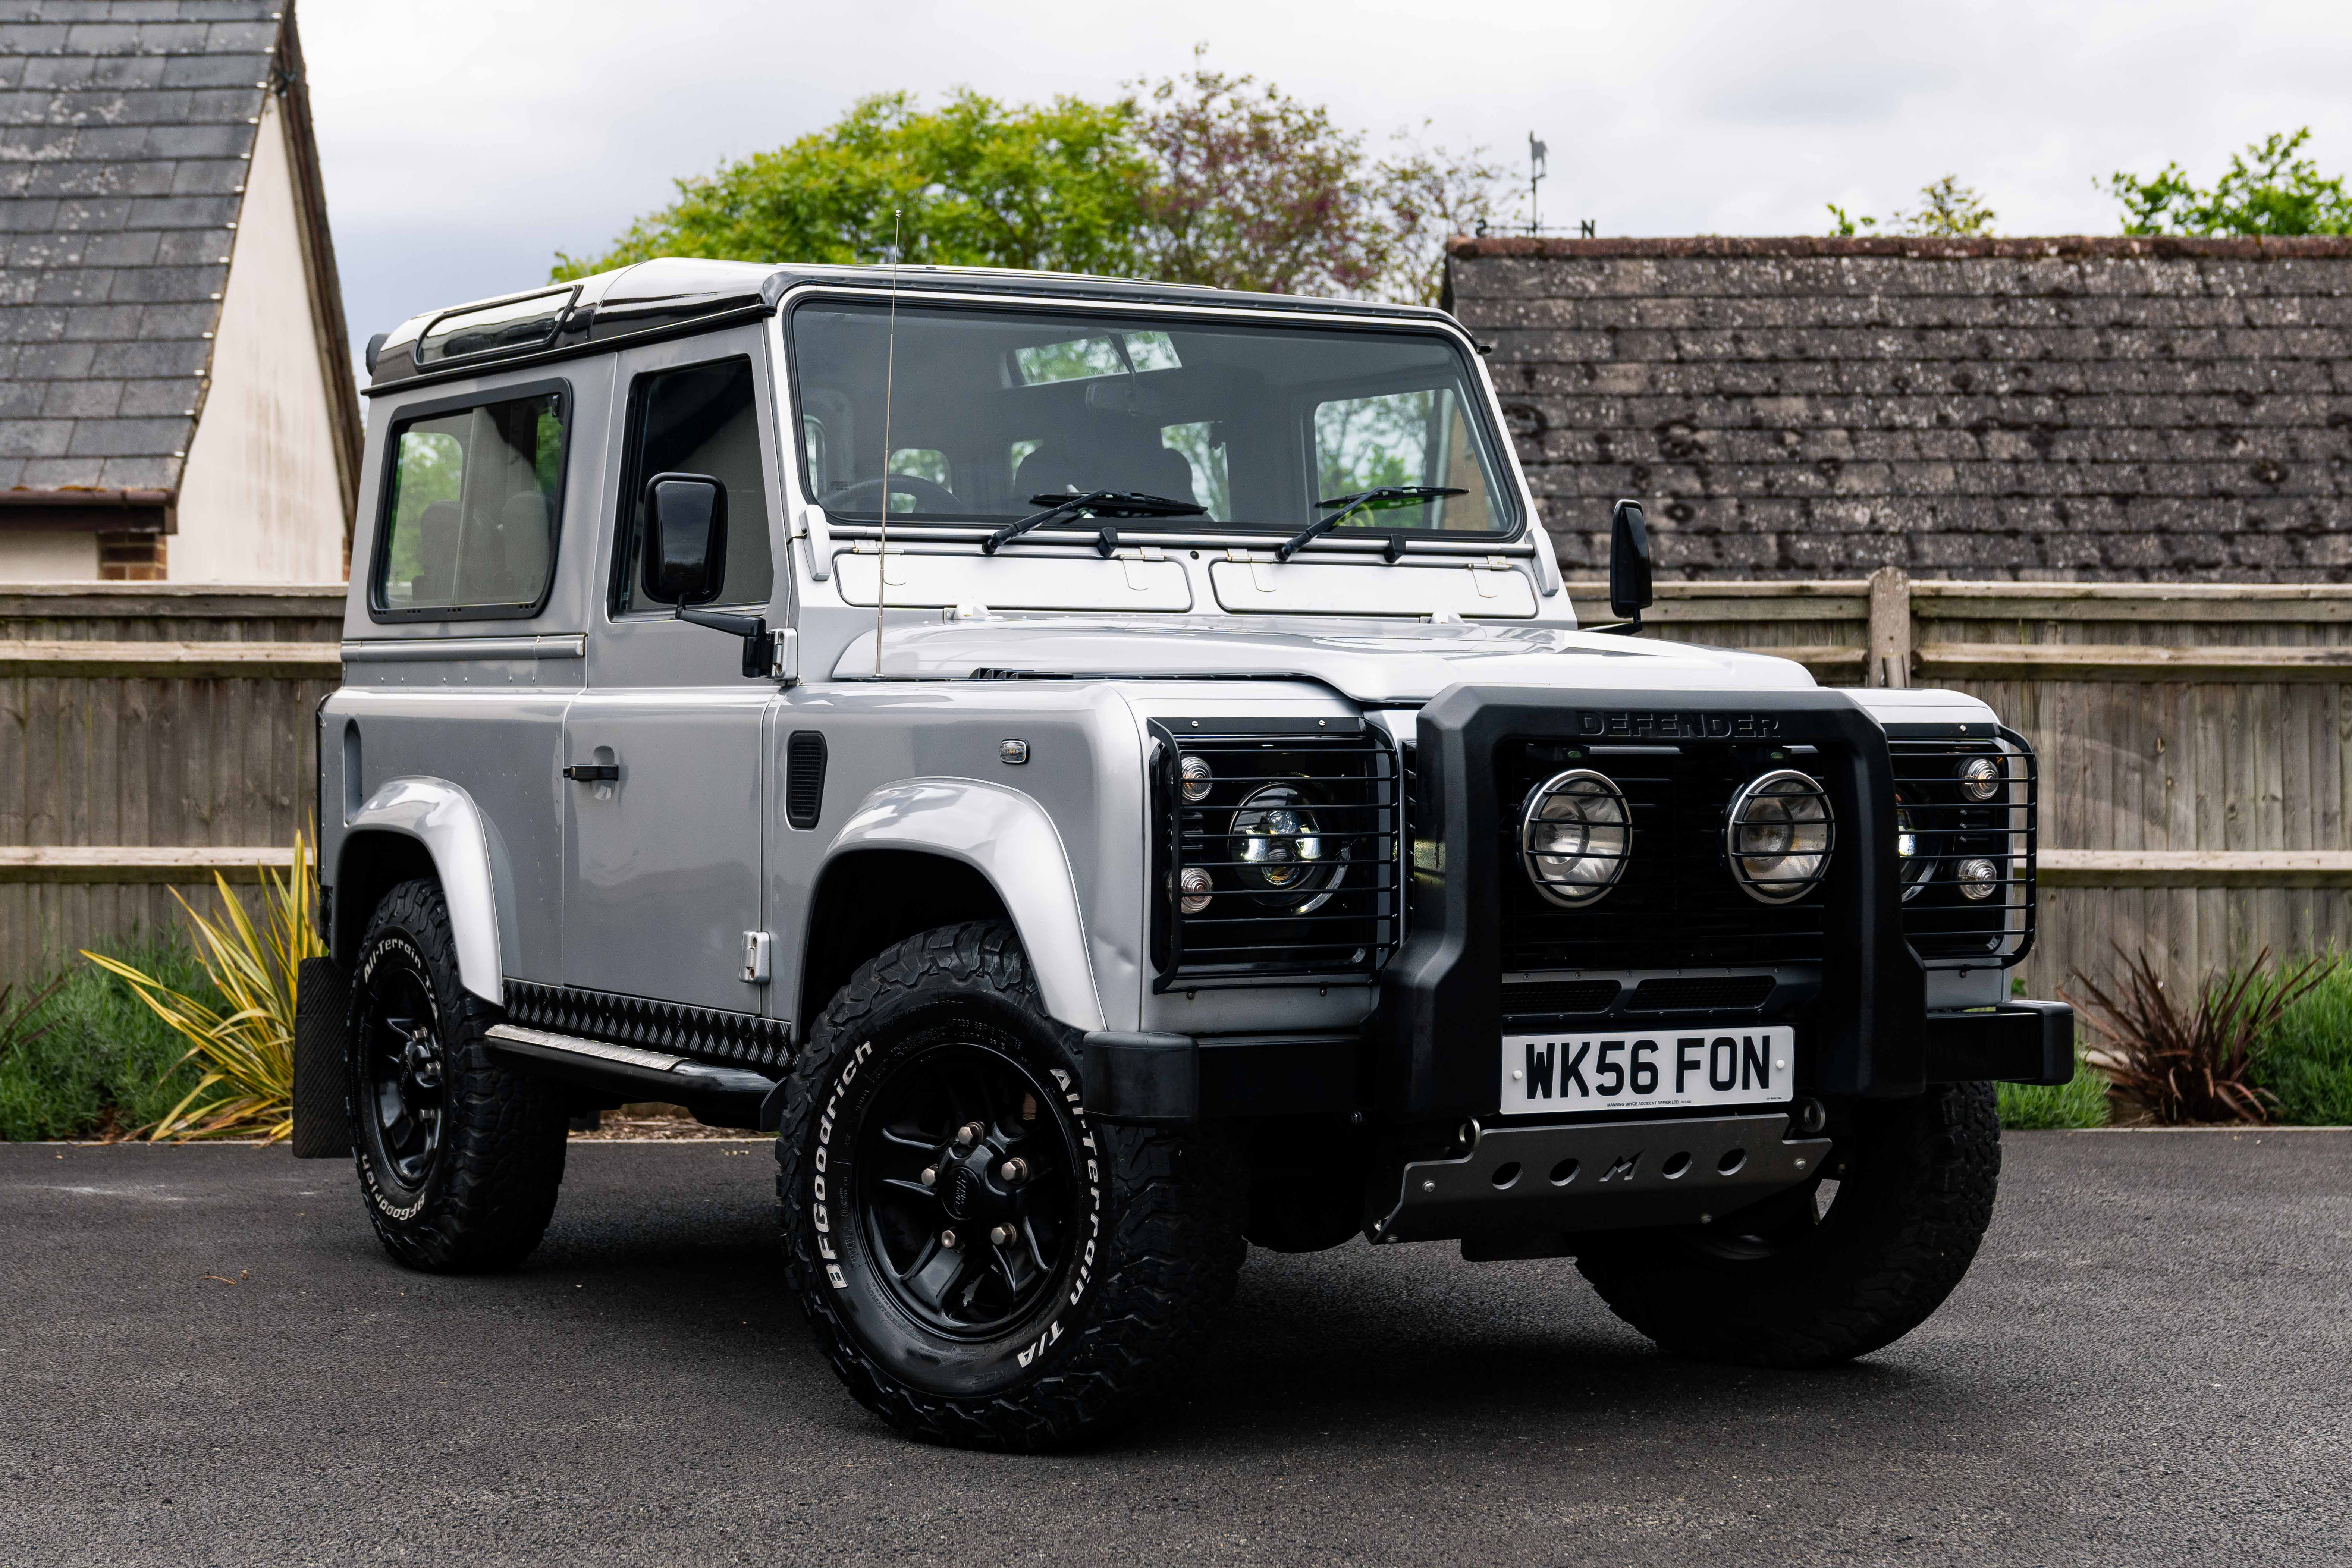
(1979, 878)
(1194, 886)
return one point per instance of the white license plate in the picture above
(1631, 1069)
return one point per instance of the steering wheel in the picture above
(929, 496)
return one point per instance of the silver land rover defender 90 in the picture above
(1104, 772)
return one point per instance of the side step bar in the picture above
(718, 1097)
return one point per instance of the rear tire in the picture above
(459, 1158)
(977, 1308)
(1783, 1284)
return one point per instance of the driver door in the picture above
(663, 877)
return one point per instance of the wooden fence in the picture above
(149, 735)
(2196, 744)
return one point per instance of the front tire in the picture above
(982, 1264)
(459, 1158)
(1789, 1283)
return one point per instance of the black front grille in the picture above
(1702, 994)
(1300, 836)
(1560, 996)
(1677, 905)
(1946, 831)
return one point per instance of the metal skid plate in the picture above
(1600, 1176)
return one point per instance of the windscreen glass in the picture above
(995, 414)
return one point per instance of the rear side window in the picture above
(702, 419)
(473, 505)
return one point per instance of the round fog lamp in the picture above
(1979, 878)
(1195, 887)
(1196, 779)
(1981, 778)
(1778, 835)
(1575, 837)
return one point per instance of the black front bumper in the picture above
(1168, 1081)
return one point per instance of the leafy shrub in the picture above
(2182, 1066)
(2305, 1061)
(2080, 1101)
(92, 1060)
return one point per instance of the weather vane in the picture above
(1538, 153)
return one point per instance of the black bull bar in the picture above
(1434, 1034)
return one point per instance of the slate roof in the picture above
(125, 128)
(2099, 408)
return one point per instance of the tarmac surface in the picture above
(204, 1359)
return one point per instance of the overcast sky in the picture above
(465, 143)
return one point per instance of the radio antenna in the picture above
(889, 371)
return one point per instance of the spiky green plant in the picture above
(16, 1025)
(246, 1045)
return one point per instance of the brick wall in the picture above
(2091, 409)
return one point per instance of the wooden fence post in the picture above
(1890, 627)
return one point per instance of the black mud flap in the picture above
(322, 1020)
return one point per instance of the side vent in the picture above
(803, 778)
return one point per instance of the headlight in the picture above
(1912, 868)
(1778, 836)
(1281, 851)
(1575, 835)
(1981, 778)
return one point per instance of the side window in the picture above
(1401, 438)
(473, 510)
(700, 420)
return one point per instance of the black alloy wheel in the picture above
(963, 1186)
(459, 1158)
(403, 1093)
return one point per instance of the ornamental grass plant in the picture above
(241, 1037)
(2305, 1061)
(2177, 1064)
(2081, 1101)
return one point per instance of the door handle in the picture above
(593, 773)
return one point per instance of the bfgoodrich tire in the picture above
(459, 1158)
(983, 1266)
(1797, 1281)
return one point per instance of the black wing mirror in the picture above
(686, 563)
(686, 538)
(1628, 565)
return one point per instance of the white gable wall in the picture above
(259, 501)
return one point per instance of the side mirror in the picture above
(686, 538)
(1629, 562)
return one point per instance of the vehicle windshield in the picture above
(994, 415)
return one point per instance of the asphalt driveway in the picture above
(204, 1359)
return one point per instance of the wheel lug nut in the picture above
(967, 1134)
(1002, 1236)
(949, 1240)
(1016, 1169)
(930, 1175)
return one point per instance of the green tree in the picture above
(1200, 178)
(2267, 191)
(1946, 207)
(1056, 186)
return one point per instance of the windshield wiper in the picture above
(1101, 503)
(1380, 499)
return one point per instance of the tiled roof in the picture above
(2103, 408)
(125, 128)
